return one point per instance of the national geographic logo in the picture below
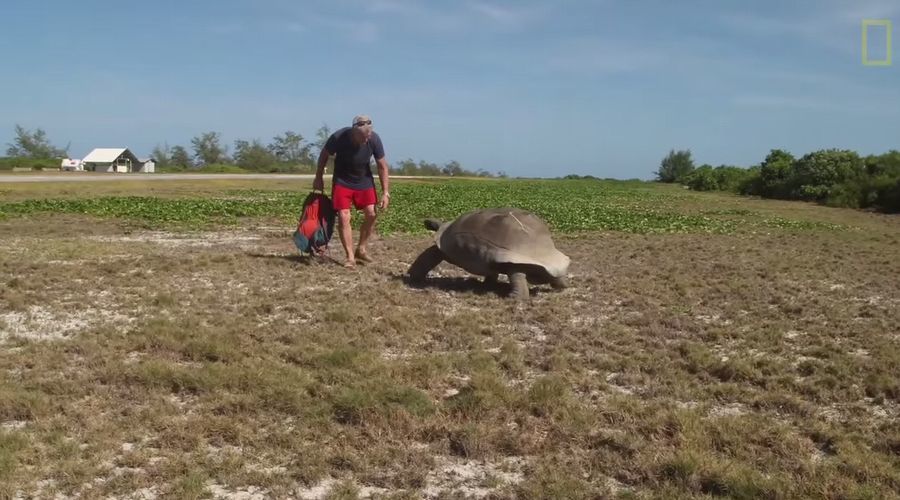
(876, 24)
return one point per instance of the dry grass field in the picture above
(725, 348)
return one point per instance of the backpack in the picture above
(315, 225)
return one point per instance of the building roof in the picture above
(105, 155)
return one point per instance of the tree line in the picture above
(833, 177)
(287, 152)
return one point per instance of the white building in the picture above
(71, 165)
(148, 165)
(115, 160)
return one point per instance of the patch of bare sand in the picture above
(325, 487)
(727, 410)
(174, 240)
(39, 323)
(219, 491)
(13, 425)
(472, 478)
(40, 491)
(450, 476)
(880, 412)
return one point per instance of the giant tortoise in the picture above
(493, 241)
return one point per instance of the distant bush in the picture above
(30, 163)
(881, 184)
(217, 168)
(888, 195)
(171, 169)
(285, 168)
(721, 178)
(220, 168)
(833, 177)
(751, 185)
(675, 167)
(451, 169)
(702, 179)
(817, 175)
(776, 174)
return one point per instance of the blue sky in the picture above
(603, 87)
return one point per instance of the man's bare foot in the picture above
(350, 264)
(363, 256)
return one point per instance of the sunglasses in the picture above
(361, 124)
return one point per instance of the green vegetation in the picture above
(721, 178)
(26, 163)
(567, 205)
(675, 166)
(31, 151)
(833, 177)
(34, 145)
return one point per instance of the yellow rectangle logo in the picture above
(865, 42)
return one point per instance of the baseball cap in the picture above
(363, 121)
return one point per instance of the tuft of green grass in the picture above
(470, 441)
(484, 394)
(11, 443)
(554, 478)
(343, 490)
(547, 395)
(21, 403)
(512, 358)
(356, 405)
(190, 485)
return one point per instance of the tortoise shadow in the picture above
(466, 284)
(455, 284)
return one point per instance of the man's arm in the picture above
(385, 182)
(323, 160)
(383, 176)
(318, 182)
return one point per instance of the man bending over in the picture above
(352, 181)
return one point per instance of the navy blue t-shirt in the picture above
(351, 163)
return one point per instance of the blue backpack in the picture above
(315, 225)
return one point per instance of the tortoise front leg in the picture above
(519, 286)
(424, 263)
(559, 283)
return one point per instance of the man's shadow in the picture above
(296, 258)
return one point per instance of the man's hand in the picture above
(318, 184)
(385, 200)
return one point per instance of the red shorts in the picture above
(341, 196)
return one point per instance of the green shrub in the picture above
(702, 179)
(751, 185)
(817, 174)
(731, 178)
(884, 181)
(722, 178)
(219, 168)
(675, 167)
(834, 177)
(776, 174)
(887, 193)
(10, 163)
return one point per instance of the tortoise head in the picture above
(433, 224)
